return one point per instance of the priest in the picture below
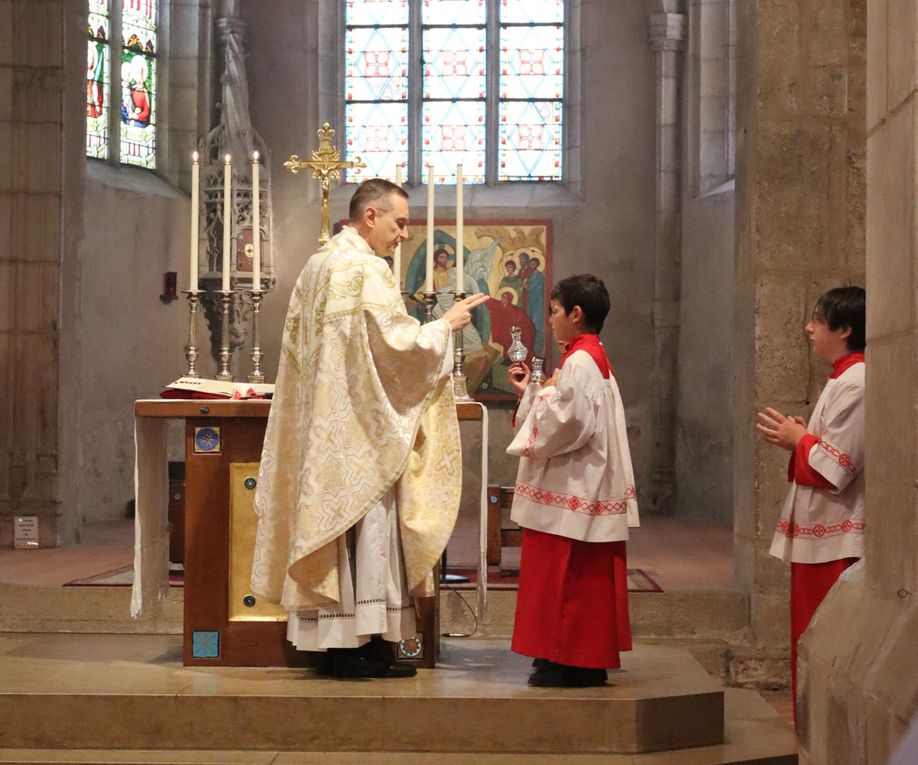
(359, 483)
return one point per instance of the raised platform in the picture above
(131, 692)
(128, 699)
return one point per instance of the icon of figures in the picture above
(135, 104)
(94, 94)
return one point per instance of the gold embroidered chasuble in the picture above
(363, 401)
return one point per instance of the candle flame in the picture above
(255, 156)
(227, 159)
(194, 156)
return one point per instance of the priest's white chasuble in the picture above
(362, 431)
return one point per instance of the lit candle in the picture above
(195, 196)
(256, 225)
(397, 258)
(428, 282)
(460, 266)
(227, 223)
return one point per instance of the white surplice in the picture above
(575, 477)
(818, 525)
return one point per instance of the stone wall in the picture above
(859, 672)
(34, 181)
(704, 436)
(800, 230)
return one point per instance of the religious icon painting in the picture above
(207, 440)
(510, 261)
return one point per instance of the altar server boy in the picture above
(821, 529)
(574, 499)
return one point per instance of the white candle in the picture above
(256, 225)
(397, 258)
(227, 222)
(195, 197)
(428, 282)
(460, 266)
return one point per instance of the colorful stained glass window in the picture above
(531, 90)
(138, 82)
(448, 120)
(454, 88)
(376, 86)
(98, 74)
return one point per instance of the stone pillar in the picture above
(667, 39)
(800, 230)
(858, 665)
(34, 35)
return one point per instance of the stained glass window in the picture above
(98, 74)
(376, 86)
(488, 70)
(531, 90)
(138, 82)
(133, 93)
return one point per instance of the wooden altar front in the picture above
(224, 624)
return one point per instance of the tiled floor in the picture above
(676, 554)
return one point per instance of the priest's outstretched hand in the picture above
(460, 313)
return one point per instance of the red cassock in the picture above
(575, 500)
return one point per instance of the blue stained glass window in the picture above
(376, 87)
(452, 133)
(531, 11)
(377, 64)
(447, 121)
(377, 12)
(138, 82)
(531, 62)
(530, 141)
(454, 12)
(98, 75)
(378, 134)
(454, 62)
(531, 90)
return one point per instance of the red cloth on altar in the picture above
(572, 604)
(810, 583)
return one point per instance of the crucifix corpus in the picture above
(325, 165)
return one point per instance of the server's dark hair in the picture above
(845, 307)
(589, 293)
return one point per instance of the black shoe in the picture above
(539, 663)
(563, 676)
(392, 669)
(345, 663)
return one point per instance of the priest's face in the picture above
(388, 224)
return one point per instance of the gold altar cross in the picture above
(325, 164)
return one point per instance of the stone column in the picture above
(800, 230)
(858, 665)
(33, 85)
(667, 40)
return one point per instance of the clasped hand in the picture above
(779, 430)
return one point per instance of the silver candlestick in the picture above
(191, 350)
(256, 376)
(460, 388)
(226, 355)
(430, 300)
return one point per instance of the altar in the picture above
(224, 624)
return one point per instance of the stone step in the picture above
(754, 735)
(132, 692)
(696, 614)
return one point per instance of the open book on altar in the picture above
(199, 387)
